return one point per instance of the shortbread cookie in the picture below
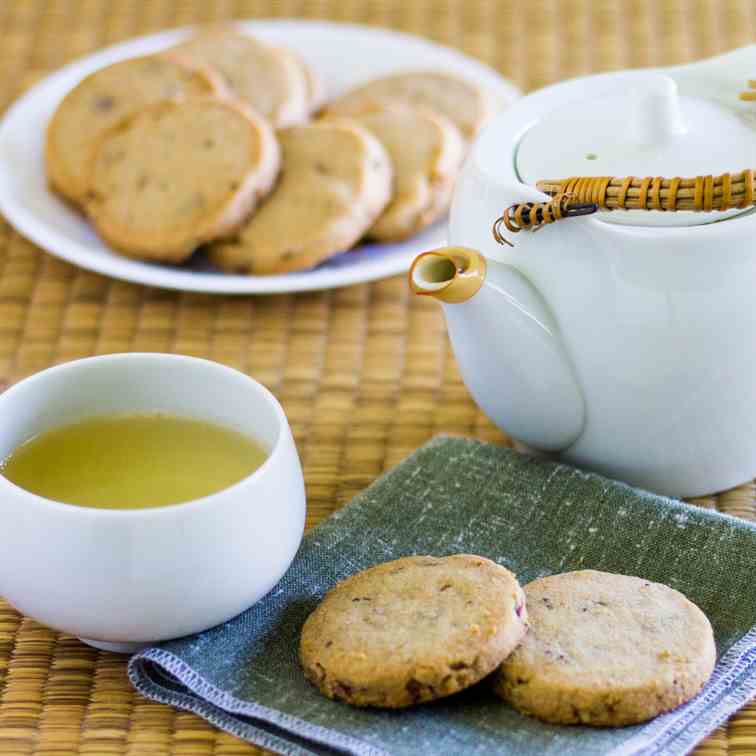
(463, 103)
(426, 151)
(264, 77)
(314, 84)
(335, 181)
(413, 630)
(179, 174)
(103, 99)
(606, 650)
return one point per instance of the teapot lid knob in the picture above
(656, 115)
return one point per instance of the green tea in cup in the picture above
(133, 461)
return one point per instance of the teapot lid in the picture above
(649, 128)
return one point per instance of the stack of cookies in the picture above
(584, 647)
(228, 142)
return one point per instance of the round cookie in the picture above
(463, 103)
(413, 630)
(262, 76)
(335, 181)
(179, 174)
(104, 98)
(426, 151)
(606, 650)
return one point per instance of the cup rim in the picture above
(167, 509)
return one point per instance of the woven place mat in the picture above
(365, 374)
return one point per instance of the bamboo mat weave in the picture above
(365, 373)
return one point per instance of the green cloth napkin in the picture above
(532, 516)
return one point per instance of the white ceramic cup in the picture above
(121, 579)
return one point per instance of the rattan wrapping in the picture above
(365, 373)
(699, 194)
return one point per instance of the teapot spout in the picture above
(449, 274)
(507, 345)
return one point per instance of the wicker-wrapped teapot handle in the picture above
(699, 194)
(584, 195)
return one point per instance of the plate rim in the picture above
(26, 222)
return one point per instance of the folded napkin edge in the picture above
(230, 705)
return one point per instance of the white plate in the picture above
(343, 54)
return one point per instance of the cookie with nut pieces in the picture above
(427, 151)
(266, 78)
(180, 174)
(606, 650)
(413, 630)
(336, 179)
(106, 97)
(464, 103)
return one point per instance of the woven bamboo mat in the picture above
(365, 373)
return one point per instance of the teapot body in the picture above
(661, 339)
(655, 325)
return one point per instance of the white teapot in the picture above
(624, 340)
